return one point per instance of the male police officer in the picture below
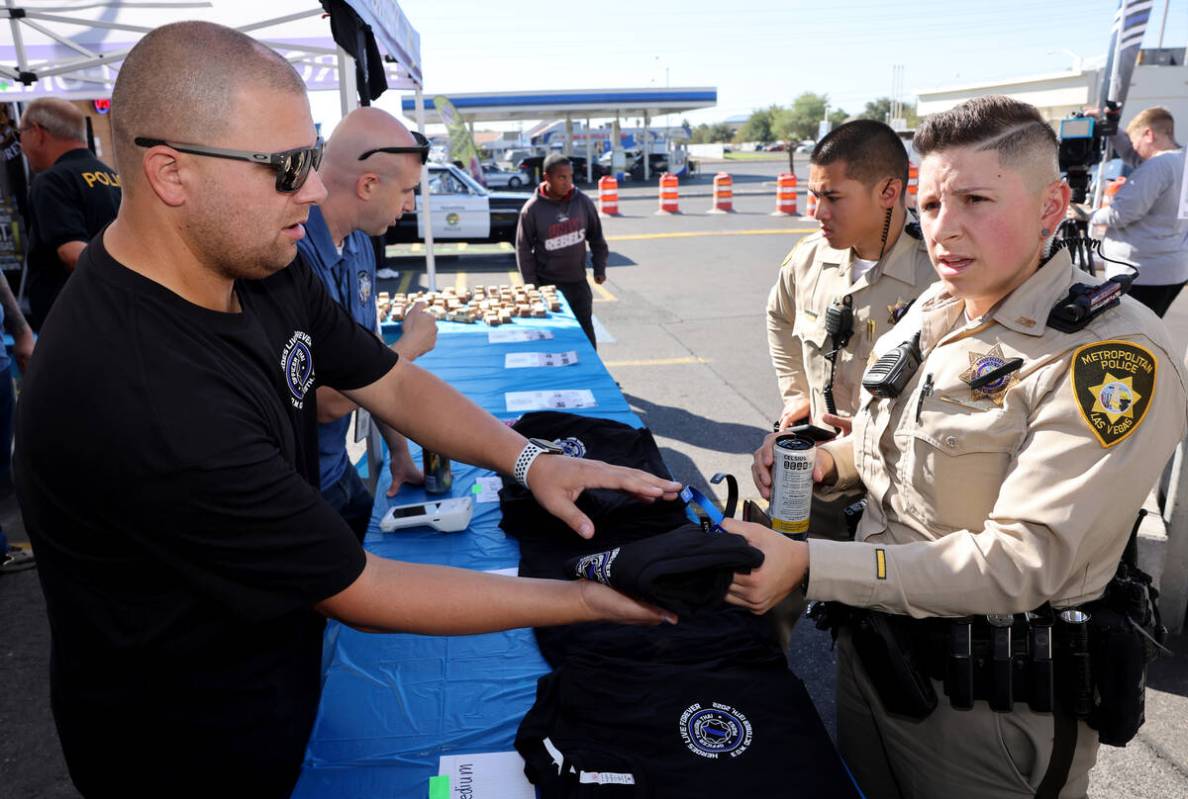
(73, 196)
(363, 198)
(866, 262)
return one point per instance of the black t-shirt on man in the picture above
(71, 201)
(167, 469)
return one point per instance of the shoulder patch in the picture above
(1114, 383)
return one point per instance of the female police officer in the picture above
(1002, 474)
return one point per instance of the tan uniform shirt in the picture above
(812, 277)
(1000, 499)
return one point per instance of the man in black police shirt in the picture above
(188, 577)
(73, 196)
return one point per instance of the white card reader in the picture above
(445, 516)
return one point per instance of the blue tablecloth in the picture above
(393, 704)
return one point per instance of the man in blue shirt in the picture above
(363, 199)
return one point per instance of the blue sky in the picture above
(759, 52)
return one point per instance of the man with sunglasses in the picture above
(188, 576)
(73, 196)
(363, 199)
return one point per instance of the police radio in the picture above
(891, 373)
(839, 321)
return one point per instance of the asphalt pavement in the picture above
(684, 305)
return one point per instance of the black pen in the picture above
(1013, 365)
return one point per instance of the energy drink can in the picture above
(792, 484)
(438, 477)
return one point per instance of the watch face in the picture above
(547, 446)
(1000, 620)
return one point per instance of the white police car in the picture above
(462, 210)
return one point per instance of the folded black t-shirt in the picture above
(618, 728)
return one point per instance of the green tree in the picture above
(880, 110)
(720, 132)
(801, 119)
(759, 126)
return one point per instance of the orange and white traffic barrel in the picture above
(608, 196)
(670, 202)
(723, 194)
(810, 210)
(913, 186)
(785, 195)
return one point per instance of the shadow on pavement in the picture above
(670, 422)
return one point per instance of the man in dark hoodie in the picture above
(555, 226)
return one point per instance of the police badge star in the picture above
(981, 363)
(896, 310)
(1113, 382)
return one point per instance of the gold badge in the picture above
(1114, 383)
(897, 309)
(981, 363)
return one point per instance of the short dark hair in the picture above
(871, 151)
(1015, 130)
(554, 160)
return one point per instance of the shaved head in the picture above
(359, 131)
(368, 195)
(180, 83)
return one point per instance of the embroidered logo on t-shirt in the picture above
(364, 287)
(717, 730)
(298, 367)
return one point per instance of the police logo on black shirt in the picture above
(573, 447)
(1114, 383)
(716, 730)
(298, 367)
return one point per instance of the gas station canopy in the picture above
(588, 103)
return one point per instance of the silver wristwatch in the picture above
(534, 448)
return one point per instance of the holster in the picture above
(884, 645)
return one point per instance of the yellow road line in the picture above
(604, 294)
(683, 361)
(405, 281)
(460, 282)
(697, 233)
(514, 278)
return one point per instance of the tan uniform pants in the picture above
(972, 754)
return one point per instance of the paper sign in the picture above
(488, 775)
(486, 489)
(513, 335)
(519, 401)
(523, 360)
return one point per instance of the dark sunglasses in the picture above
(422, 148)
(292, 166)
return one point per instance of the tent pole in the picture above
(589, 154)
(426, 213)
(348, 89)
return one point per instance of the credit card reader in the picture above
(445, 516)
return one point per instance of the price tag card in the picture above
(514, 335)
(523, 360)
(486, 489)
(519, 401)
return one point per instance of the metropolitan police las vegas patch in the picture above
(1114, 383)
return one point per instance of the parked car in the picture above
(534, 166)
(501, 178)
(510, 158)
(462, 210)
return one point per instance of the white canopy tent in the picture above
(74, 49)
